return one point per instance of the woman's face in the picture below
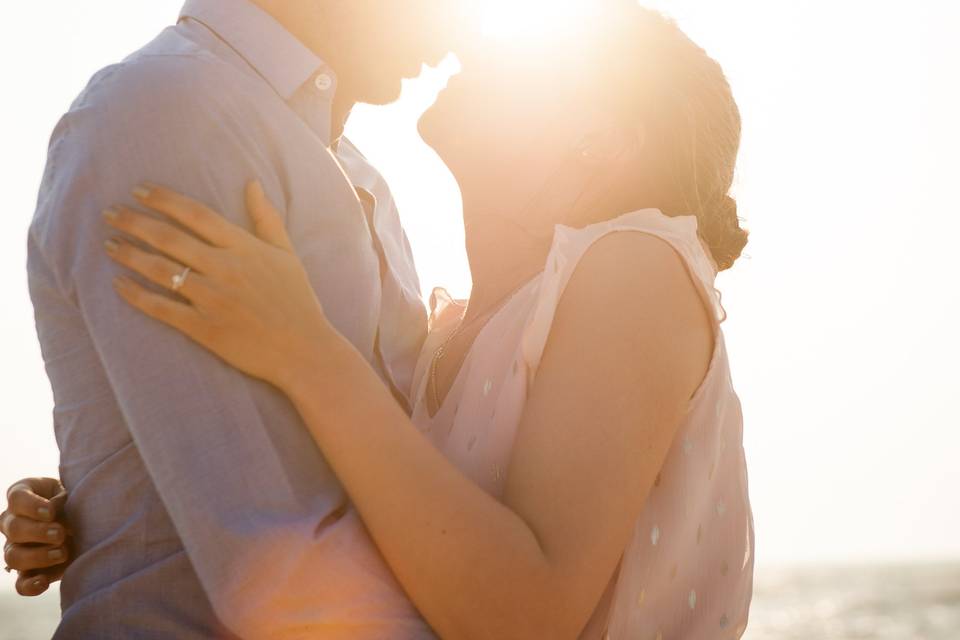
(509, 117)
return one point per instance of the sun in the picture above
(510, 19)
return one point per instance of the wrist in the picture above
(311, 364)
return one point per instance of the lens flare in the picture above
(528, 19)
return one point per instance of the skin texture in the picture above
(37, 545)
(372, 45)
(611, 391)
(475, 567)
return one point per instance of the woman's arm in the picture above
(611, 391)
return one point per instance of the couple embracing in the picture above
(262, 432)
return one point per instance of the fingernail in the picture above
(53, 533)
(109, 214)
(142, 192)
(111, 245)
(38, 583)
(44, 513)
(55, 554)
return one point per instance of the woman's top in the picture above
(687, 572)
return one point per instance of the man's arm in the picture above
(228, 455)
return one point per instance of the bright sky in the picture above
(842, 318)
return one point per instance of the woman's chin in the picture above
(430, 130)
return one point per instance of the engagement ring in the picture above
(180, 279)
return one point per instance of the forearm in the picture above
(472, 566)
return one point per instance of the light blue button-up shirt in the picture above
(200, 505)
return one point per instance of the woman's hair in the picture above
(692, 123)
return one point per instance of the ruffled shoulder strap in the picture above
(570, 245)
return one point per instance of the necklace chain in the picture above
(461, 327)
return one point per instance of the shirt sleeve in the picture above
(245, 486)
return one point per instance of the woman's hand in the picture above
(245, 297)
(36, 537)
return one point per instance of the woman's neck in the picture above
(502, 257)
(508, 244)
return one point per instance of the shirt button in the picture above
(323, 82)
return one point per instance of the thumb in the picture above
(267, 222)
(39, 499)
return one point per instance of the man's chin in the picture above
(383, 93)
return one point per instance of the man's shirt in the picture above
(199, 503)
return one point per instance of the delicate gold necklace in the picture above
(461, 327)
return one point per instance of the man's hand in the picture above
(37, 539)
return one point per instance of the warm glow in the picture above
(842, 319)
(525, 19)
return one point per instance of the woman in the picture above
(574, 464)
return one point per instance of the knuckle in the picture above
(19, 500)
(16, 529)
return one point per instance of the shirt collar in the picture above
(276, 54)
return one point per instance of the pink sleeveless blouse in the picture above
(687, 573)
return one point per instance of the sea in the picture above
(882, 602)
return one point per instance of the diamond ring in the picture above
(180, 279)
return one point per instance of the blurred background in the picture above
(843, 315)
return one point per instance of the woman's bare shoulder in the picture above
(632, 298)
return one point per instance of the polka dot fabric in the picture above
(687, 573)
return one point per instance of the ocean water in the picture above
(882, 602)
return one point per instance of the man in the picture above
(151, 429)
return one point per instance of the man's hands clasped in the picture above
(37, 541)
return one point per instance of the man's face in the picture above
(395, 38)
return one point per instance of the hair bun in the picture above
(726, 239)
